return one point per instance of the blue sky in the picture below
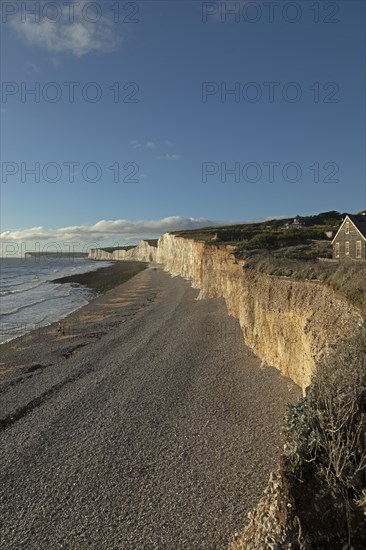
(172, 131)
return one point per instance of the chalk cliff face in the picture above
(289, 324)
(142, 252)
(99, 254)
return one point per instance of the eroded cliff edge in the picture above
(289, 324)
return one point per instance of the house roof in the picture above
(358, 220)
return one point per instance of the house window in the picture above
(358, 249)
(347, 228)
(337, 250)
(347, 248)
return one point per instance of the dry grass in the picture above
(346, 277)
(328, 426)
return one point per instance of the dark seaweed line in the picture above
(11, 419)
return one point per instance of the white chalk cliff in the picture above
(289, 324)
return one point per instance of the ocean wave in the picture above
(20, 308)
(18, 290)
(12, 303)
(29, 299)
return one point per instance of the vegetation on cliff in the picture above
(316, 500)
(347, 277)
(150, 242)
(113, 248)
(328, 426)
(276, 232)
(300, 250)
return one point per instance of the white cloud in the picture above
(55, 62)
(169, 143)
(107, 229)
(31, 67)
(150, 145)
(167, 156)
(147, 145)
(78, 37)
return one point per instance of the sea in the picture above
(29, 299)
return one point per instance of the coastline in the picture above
(88, 323)
(105, 278)
(97, 282)
(122, 398)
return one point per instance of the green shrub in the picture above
(298, 429)
(261, 240)
(328, 427)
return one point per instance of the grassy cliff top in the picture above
(113, 248)
(306, 227)
(151, 242)
(301, 251)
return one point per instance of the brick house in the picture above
(350, 239)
